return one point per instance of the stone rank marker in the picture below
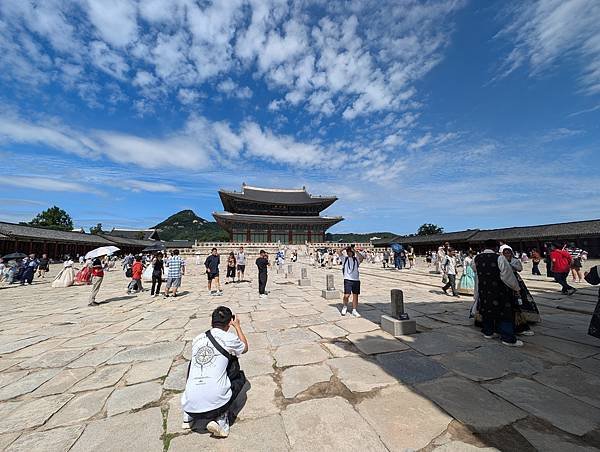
(330, 293)
(398, 324)
(304, 281)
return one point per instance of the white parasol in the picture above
(102, 251)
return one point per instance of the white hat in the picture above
(505, 247)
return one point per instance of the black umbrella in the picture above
(15, 256)
(155, 247)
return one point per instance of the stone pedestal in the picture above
(303, 273)
(290, 269)
(330, 294)
(304, 282)
(397, 302)
(398, 327)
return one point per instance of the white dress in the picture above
(66, 277)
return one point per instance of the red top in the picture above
(136, 270)
(97, 269)
(561, 261)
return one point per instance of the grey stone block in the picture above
(330, 294)
(304, 282)
(398, 327)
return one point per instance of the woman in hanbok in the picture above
(526, 311)
(466, 284)
(84, 276)
(66, 277)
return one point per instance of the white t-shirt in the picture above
(241, 259)
(350, 268)
(208, 386)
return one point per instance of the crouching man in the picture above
(214, 377)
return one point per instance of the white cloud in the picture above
(115, 20)
(148, 186)
(542, 32)
(43, 184)
(232, 89)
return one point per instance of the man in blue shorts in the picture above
(351, 260)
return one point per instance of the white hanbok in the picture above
(66, 277)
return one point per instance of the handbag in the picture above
(129, 272)
(445, 278)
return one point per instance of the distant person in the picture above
(158, 269)
(30, 266)
(576, 267)
(411, 257)
(175, 271)
(262, 263)
(466, 284)
(561, 266)
(535, 263)
(97, 278)
(231, 267)
(212, 272)
(240, 258)
(386, 258)
(496, 287)
(136, 276)
(449, 270)
(350, 263)
(214, 379)
(43, 266)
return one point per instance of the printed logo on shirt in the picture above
(204, 357)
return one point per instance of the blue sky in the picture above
(461, 113)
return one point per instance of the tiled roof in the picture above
(274, 219)
(277, 196)
(543, 232)
(139, 234)
(179, 244)
(21, 231)
(127, 242)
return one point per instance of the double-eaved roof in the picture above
(545, 232)
(277, 196)
(140, 234)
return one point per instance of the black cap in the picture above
(221, 316)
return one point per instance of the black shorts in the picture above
(241, 268)
(231, 272)
(212, 276)
(351, 286)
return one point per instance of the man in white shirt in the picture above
(240, 259)
(350, 263)
(496, 287)
(449, 270)
(214, 379)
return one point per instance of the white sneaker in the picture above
(220, 427)
(344, 309)
(513, 344)
(489, 337)
(186, 425)
(527, 333)
(262, 295)
(355, 313)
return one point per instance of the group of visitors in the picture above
(22, 270)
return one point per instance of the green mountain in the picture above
(186, 225)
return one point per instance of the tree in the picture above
(53, 218)
(429, 229)
(96, 229)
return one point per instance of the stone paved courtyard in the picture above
(109, 378)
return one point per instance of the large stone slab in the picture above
(374, 342)
(54, 358)
(133, 397)
(357, 325)
(257, 362)
(572, 381)
(258, 341)
(18, 344)
(260, 398)
(175, 415)
(568, 348)
(470, 403)
(110, 435)
(266, 434)
(80, 408)
(147, 371)
(57, 439)
(7, 378)
(341, 348)
(360, 374)
(410, 367)
(441, 341)
(297, 379)
(329, 331)
(176, 379)
(491, 362)
(555, 407)
(402, 419)
(291, 336)
(328, 425)
(590, 365)
(94, 358)
(148, 352)
(546, 441)
(27, 384)
(62, 381)
(103, 377)
(297, 355)
(33, 413)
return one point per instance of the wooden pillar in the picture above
(309, 234)
(290, 236)
(269, 239)
(248, 235)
